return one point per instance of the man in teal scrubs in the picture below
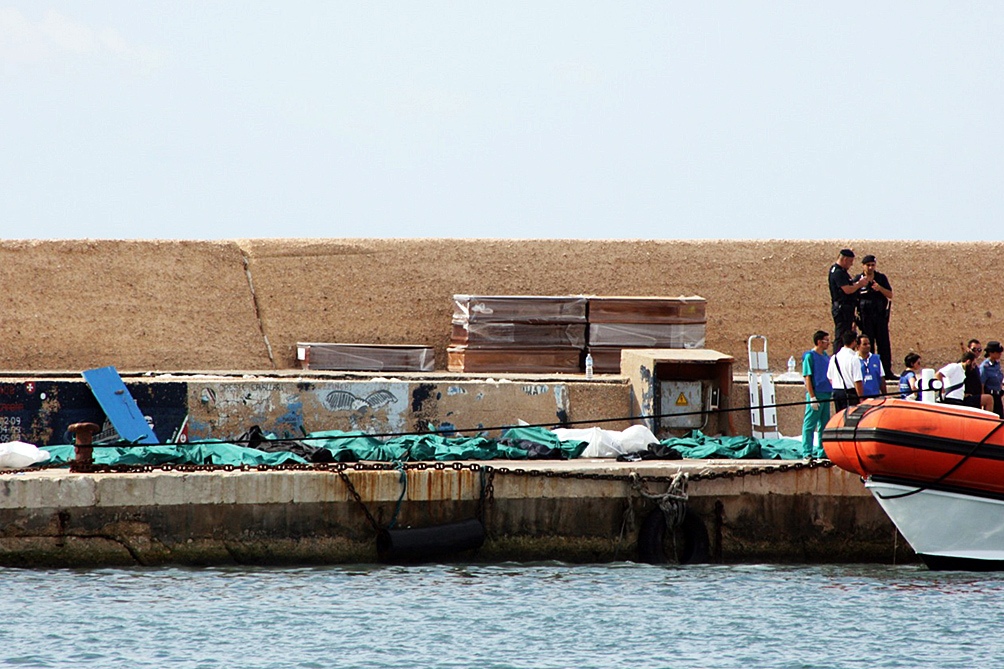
(817, 394)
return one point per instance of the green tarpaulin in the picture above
(518, 443)
(212, 453)
(701, 447)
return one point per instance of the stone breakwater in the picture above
(243, 304)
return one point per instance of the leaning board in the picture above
(119, 405)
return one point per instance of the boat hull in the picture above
(937, 471)
(948, 530)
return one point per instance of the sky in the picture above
(533, 120)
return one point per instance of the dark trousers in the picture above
(842, 400)
(876, 326)
(843, 320)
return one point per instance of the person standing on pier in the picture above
(991, 376)
(909, 380)
(953, 379)
(973, 392)
(872, 370)
(874, 303)
(843, 296)
(845, 374)
(818, 391)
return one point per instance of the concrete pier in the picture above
(578, 511)
(166, 314)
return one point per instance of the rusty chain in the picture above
(487, 497)
(359, 500)
(492, 470)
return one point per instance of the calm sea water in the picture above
(527, 615)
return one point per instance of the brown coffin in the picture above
(519, 308)
(515, 361)
(366, 357)
(647, 335)
(518, 335)
(666, 310)
(606, 360)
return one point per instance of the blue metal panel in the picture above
(118, 405)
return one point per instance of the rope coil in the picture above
(673, 502)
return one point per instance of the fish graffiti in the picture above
(344, 400)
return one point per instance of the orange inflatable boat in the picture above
(919, 442)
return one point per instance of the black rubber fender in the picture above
(423, 544)
(656, 546)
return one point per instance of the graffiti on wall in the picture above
(39, 412)
(290, 410)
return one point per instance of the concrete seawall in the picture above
(579, 511)
(225, 406)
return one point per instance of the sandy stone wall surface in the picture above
(138, 305)
(243, 304)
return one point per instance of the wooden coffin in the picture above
(366, 357)
(514, 361)
(606, 359)
(665, 310)
(647, 335)
(518, 335)
(519, 308)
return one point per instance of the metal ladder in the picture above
(763, 413)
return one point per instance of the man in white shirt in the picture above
(845, 374)
(953, 378)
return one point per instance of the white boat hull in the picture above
(946, 529)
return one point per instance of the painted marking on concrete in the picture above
(561, 397)
(341, 400)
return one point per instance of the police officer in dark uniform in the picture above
(843, 295)
(873, 309)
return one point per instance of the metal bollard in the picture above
(83, 452)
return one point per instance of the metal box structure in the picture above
(674, 391)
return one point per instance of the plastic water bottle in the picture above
(791, 365)
(589, 366)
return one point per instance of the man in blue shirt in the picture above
(817, 394)
(873, 376)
